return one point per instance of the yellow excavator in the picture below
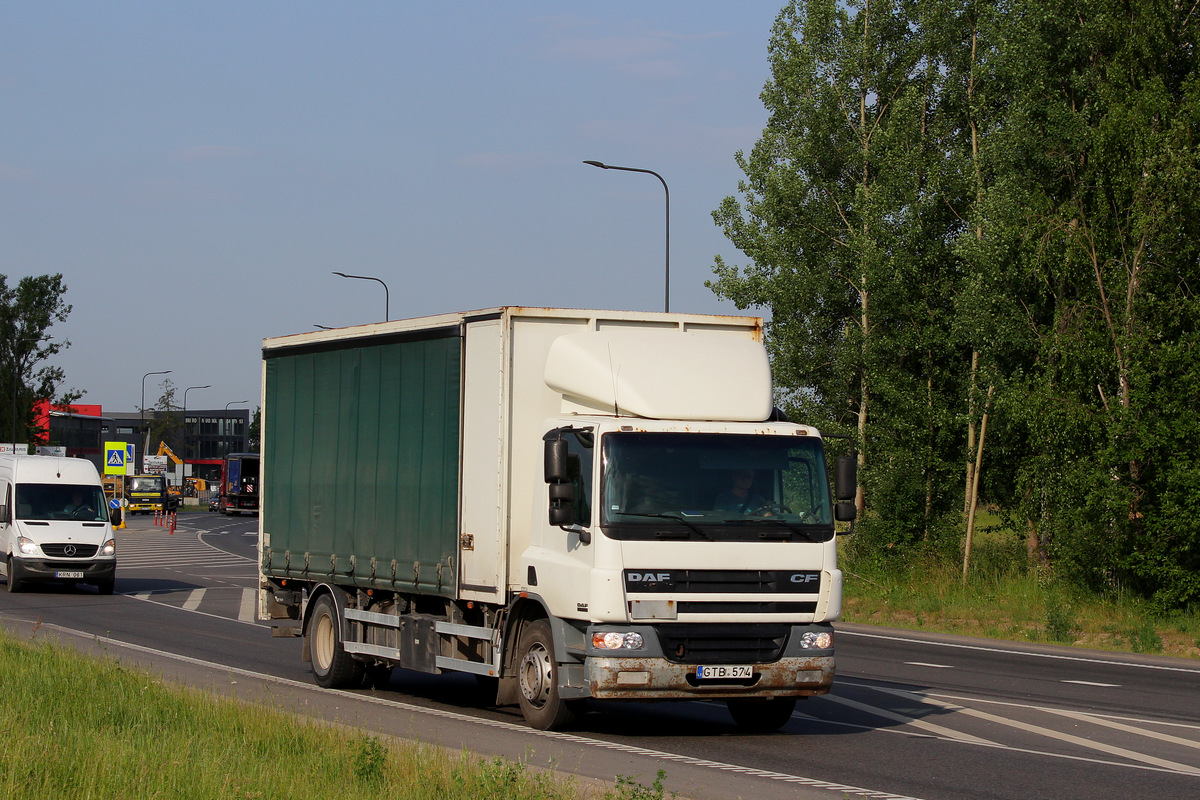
(193, 485)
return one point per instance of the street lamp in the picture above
(602, 165)
(224, 441)
(185, 450)
(142, 424)
(386, 310)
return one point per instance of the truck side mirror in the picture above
(562, 490)
(845, 512)
(846, 478)
(556, 460)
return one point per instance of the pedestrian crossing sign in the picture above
(114, 458)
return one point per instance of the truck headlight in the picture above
(811, 640)
(28, 547)
(108, 548)
(615, 640)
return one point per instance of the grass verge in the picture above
(1005, 599)
(77, 727)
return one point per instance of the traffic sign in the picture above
(114, 458)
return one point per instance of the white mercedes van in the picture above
(55, 523)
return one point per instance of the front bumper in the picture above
(47, 569)
(648, 674)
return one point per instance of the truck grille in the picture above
(751, 607)
(68, 550)
(724, 581)
(722, 644)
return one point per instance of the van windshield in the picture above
(45, 501)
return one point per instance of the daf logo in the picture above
(69, 550)
(805, 577)
(649, 577)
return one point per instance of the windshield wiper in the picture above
(776, 521)
(675, 518)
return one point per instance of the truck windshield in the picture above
(43, 501)
(715, 486)
(153, 485)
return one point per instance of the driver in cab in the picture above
(740, 496)
(77, 508)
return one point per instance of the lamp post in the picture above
(185, 450)
(386, 309)
(142, 425)
(224, 443)
(16, 382)
(667, 292)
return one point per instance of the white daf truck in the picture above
(55, 523)
(572, 505)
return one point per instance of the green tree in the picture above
(254, 434)
(1102, 142)
(27, 312)
(167, 423)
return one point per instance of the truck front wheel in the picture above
(537, 677)
(761, 715)
(332, 667)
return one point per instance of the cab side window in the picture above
(579, 466)
(6, 509)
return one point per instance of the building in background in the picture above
(207, 435)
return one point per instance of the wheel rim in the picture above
(536, 675)
(323, 642)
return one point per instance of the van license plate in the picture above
(65, 574)
(724, 672)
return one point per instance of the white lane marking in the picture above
(193, 601)
(936, 730)
(1038, 730)
(510, 726)
(985, 649)
(247, 610)
(931, 666)
(1108, 723)
(1095, 683)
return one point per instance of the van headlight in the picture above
(109, 548)
(28, 547)
(616, 640)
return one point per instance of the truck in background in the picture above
(146, 494)
(568, 504)
(239, 484)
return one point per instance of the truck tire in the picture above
(106, 585)
(332, 666)
(537, 678)
(761, 714)
(16, 581)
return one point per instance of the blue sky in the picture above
(196, 171)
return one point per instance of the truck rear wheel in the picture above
(332, 667)
(537, 677)
(761, 714)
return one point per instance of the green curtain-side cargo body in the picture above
(362, 437)
(569, 504)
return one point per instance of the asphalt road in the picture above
(911, 715)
